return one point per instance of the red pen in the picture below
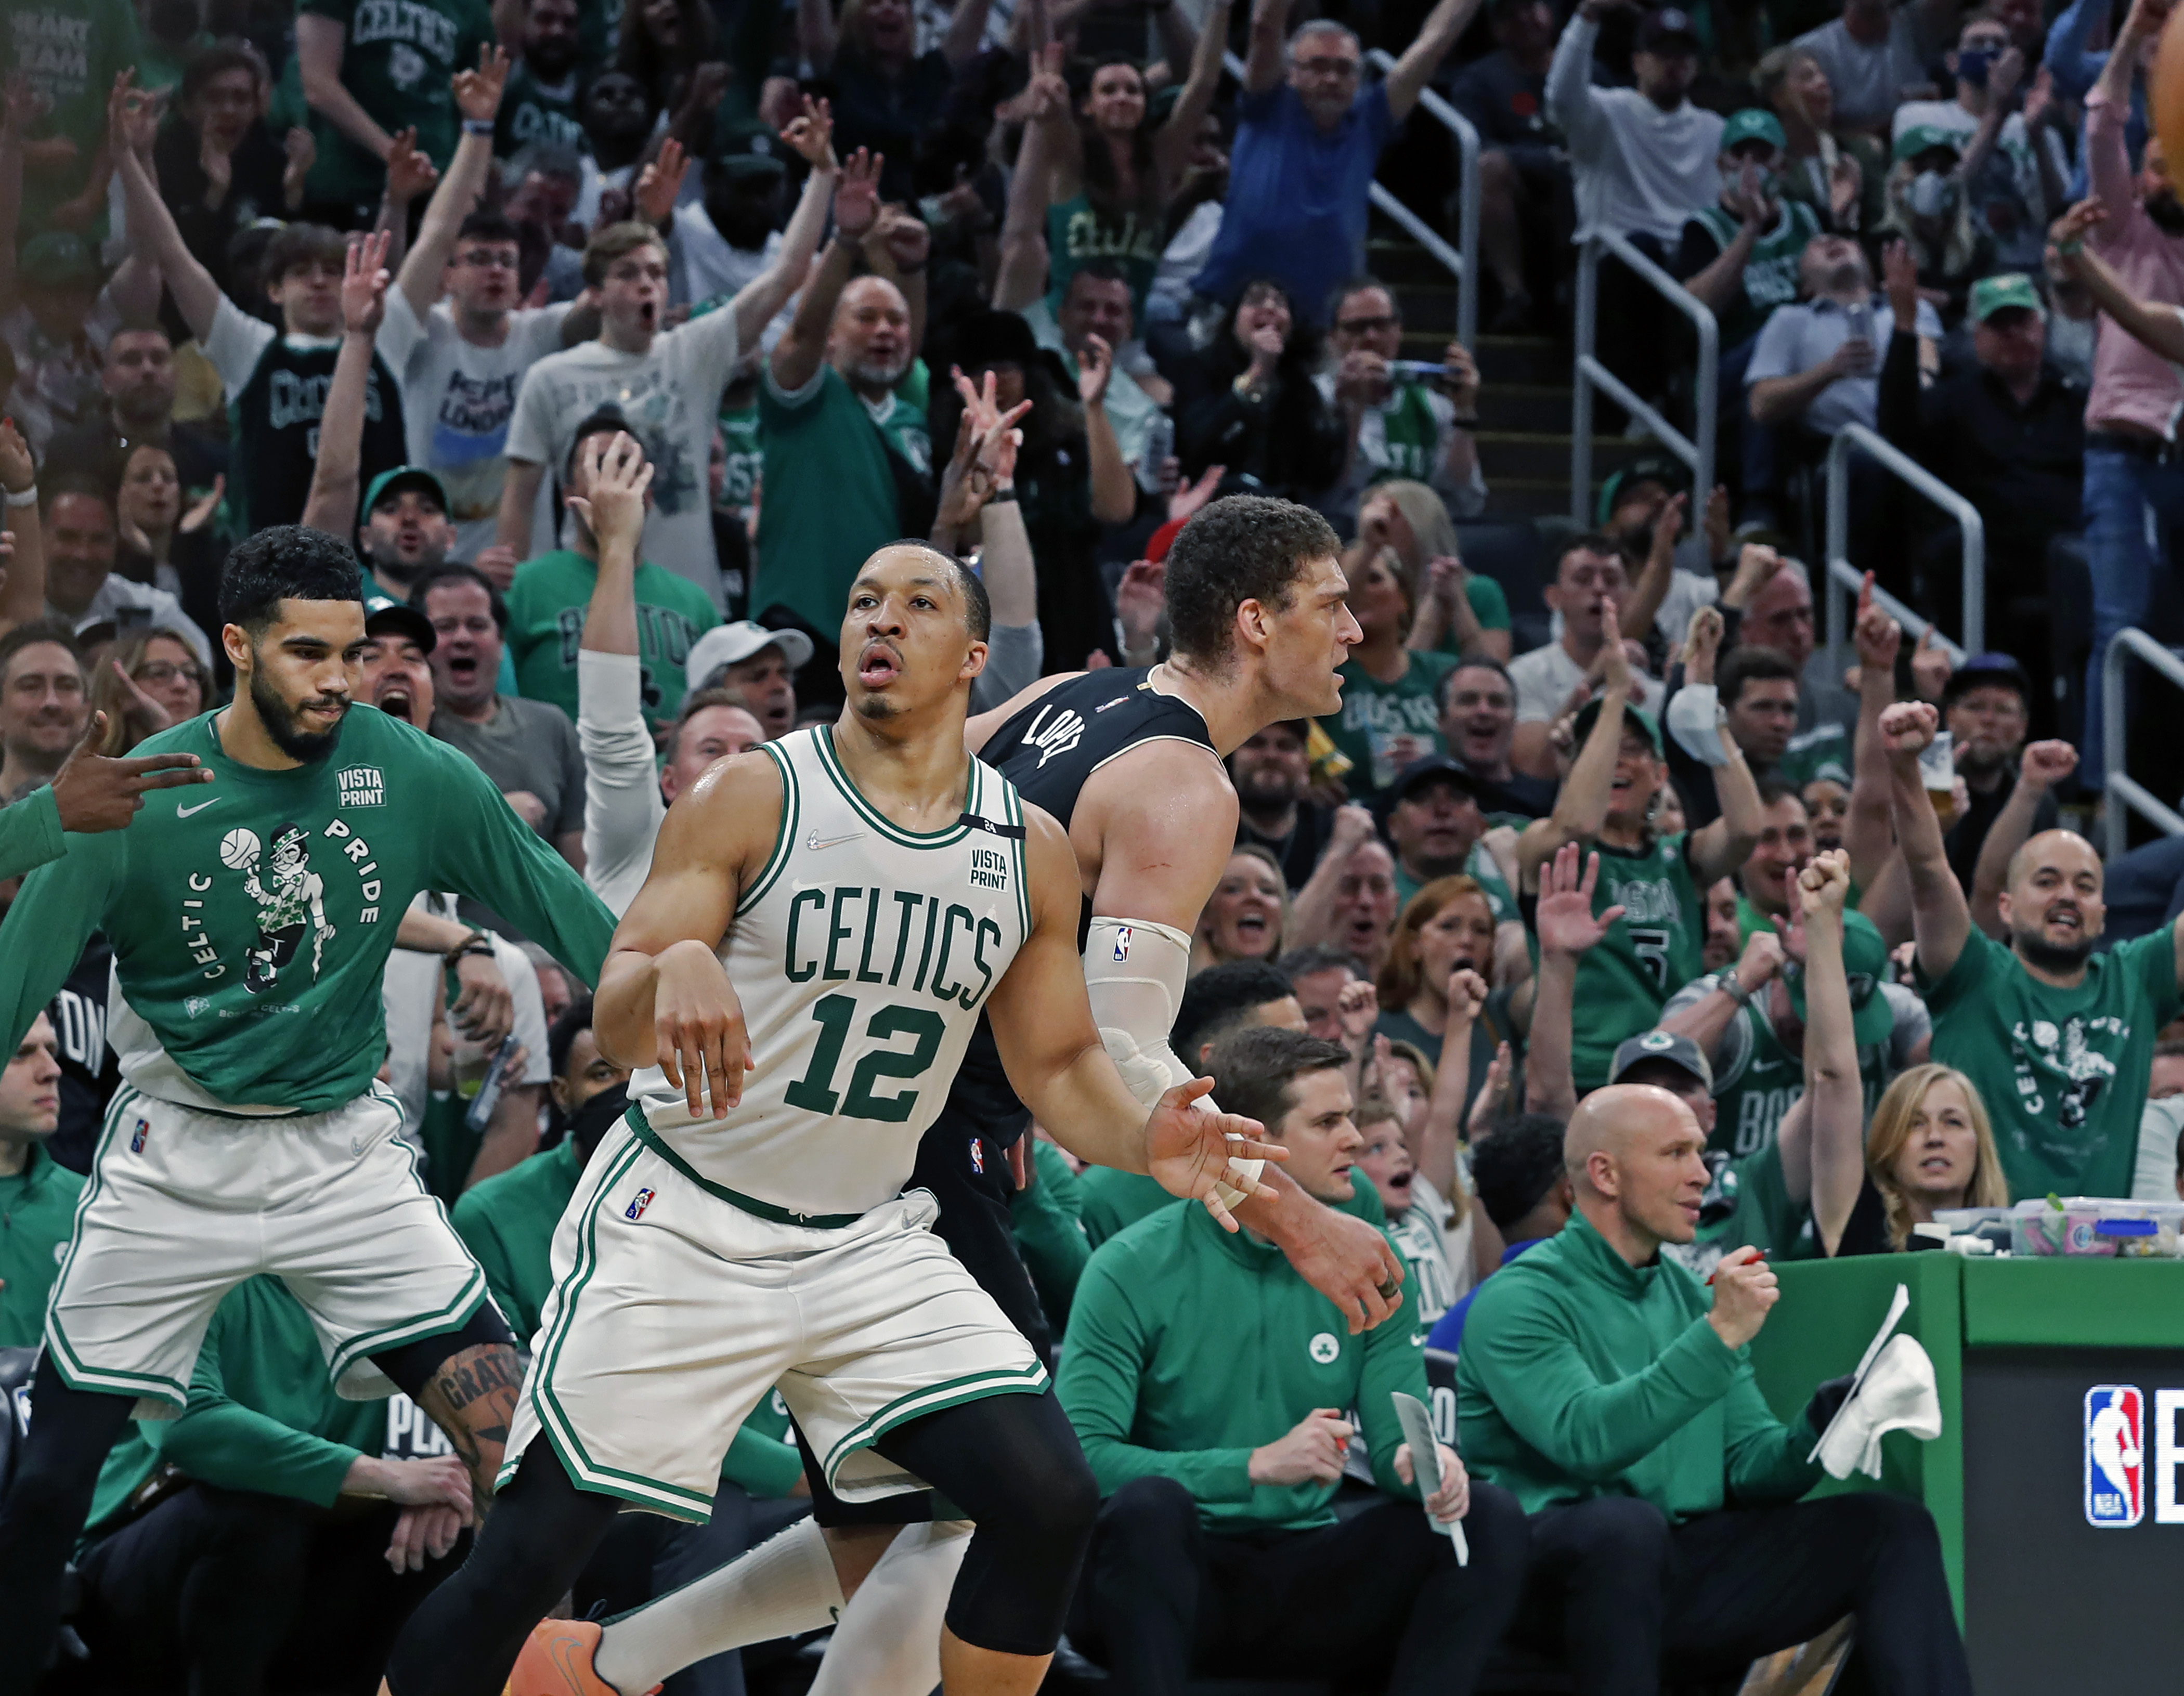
(1757, 1258)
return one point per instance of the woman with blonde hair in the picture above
(1454, 611)
(1247, 915)
(1931, 1148)
(147, 682)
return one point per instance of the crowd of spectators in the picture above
(1040, 283)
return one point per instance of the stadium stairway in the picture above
(1524, 395)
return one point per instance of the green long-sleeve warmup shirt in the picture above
(1583, 1375)
(1189, 1346)
(262, 1414)
(508, 1222)
(37, 1217)
(31, 834)
(252, 917)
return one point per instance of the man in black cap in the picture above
(1987, 706)
(1645, 164)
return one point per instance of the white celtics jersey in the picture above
(862, 954)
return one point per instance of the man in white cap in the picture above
(761, 664)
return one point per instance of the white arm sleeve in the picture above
(623, 807)
(1134, 971)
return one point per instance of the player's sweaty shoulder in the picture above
(1163, 779)
(728, 818)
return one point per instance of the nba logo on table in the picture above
(136, 1138)
(642, 1200)
(2115, 1456)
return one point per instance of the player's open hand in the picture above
(698, 1025)
(96, 793)
(1189, 1150)
(1452, 1500)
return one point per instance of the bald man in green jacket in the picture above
(1614, 1395)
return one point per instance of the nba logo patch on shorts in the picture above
(638, 1203)
(977, 1158)
(136, 1136)
(2115, 1456)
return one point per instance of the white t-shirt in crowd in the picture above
(1868, 80)
(406, 994)
(1639, 169)
(457, 399)
(671, 397)
(1545, 677)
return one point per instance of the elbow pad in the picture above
(1134, 972)
(1694, 718)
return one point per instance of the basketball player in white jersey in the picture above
(1130, 761)
(871, 889)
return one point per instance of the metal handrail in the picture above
(1462, 262)
(1843, 575)
(1464, 259)
(2125, 791)
(1589, 374)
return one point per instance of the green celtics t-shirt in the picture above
(1771, 273)
(1489, 605)
(830, 466)
(2063, 1071)
(252, 916)
(546, 606)
(1655, 948)
(1078, 232)
(746, 453)
(397, 58)
(542, 112)
(69, 51)
(1763, 1215)
(1384, 726)
(1482, 869)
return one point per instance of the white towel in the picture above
(1896, 1393)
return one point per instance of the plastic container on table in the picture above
(2093, 1227)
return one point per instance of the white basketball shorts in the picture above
(674, 1312)
(184, 1205)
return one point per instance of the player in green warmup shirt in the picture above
(1655, 944)
(251, 921)
(1219, 1464)
(37, 1195)
(2058, 1039)
(546, 605)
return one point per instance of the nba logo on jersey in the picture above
(1122, 942)
(2115, 1456)
(136, 1138)
(977, 1158)
(638, 1203)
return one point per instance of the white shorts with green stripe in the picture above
(674, 1312)
(183, 1205)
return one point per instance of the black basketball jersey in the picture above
(1049, 751)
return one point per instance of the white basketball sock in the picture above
(887, 1640)
(785, 1586)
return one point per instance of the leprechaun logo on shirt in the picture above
(290, 897)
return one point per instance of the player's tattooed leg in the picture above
(472, 1399)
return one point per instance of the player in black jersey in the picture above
(1130, 763)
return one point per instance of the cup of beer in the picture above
(1937, 768)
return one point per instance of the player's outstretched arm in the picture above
(663, 996)
(1042, 1018)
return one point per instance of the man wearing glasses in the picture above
(1304, 151)
(1400, 428)
(461, 362)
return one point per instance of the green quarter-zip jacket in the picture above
(1583, 1375)
(37, 1217)
(252, 916)
(1189, 1347)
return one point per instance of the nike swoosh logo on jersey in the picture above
(184, 812)
(1418, 1339)
(813, 842)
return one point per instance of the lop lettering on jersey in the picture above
(901, 938)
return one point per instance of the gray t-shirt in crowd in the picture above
(528, 745)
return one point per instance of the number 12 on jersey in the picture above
(815, 1091)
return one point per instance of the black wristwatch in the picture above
(477, 942)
